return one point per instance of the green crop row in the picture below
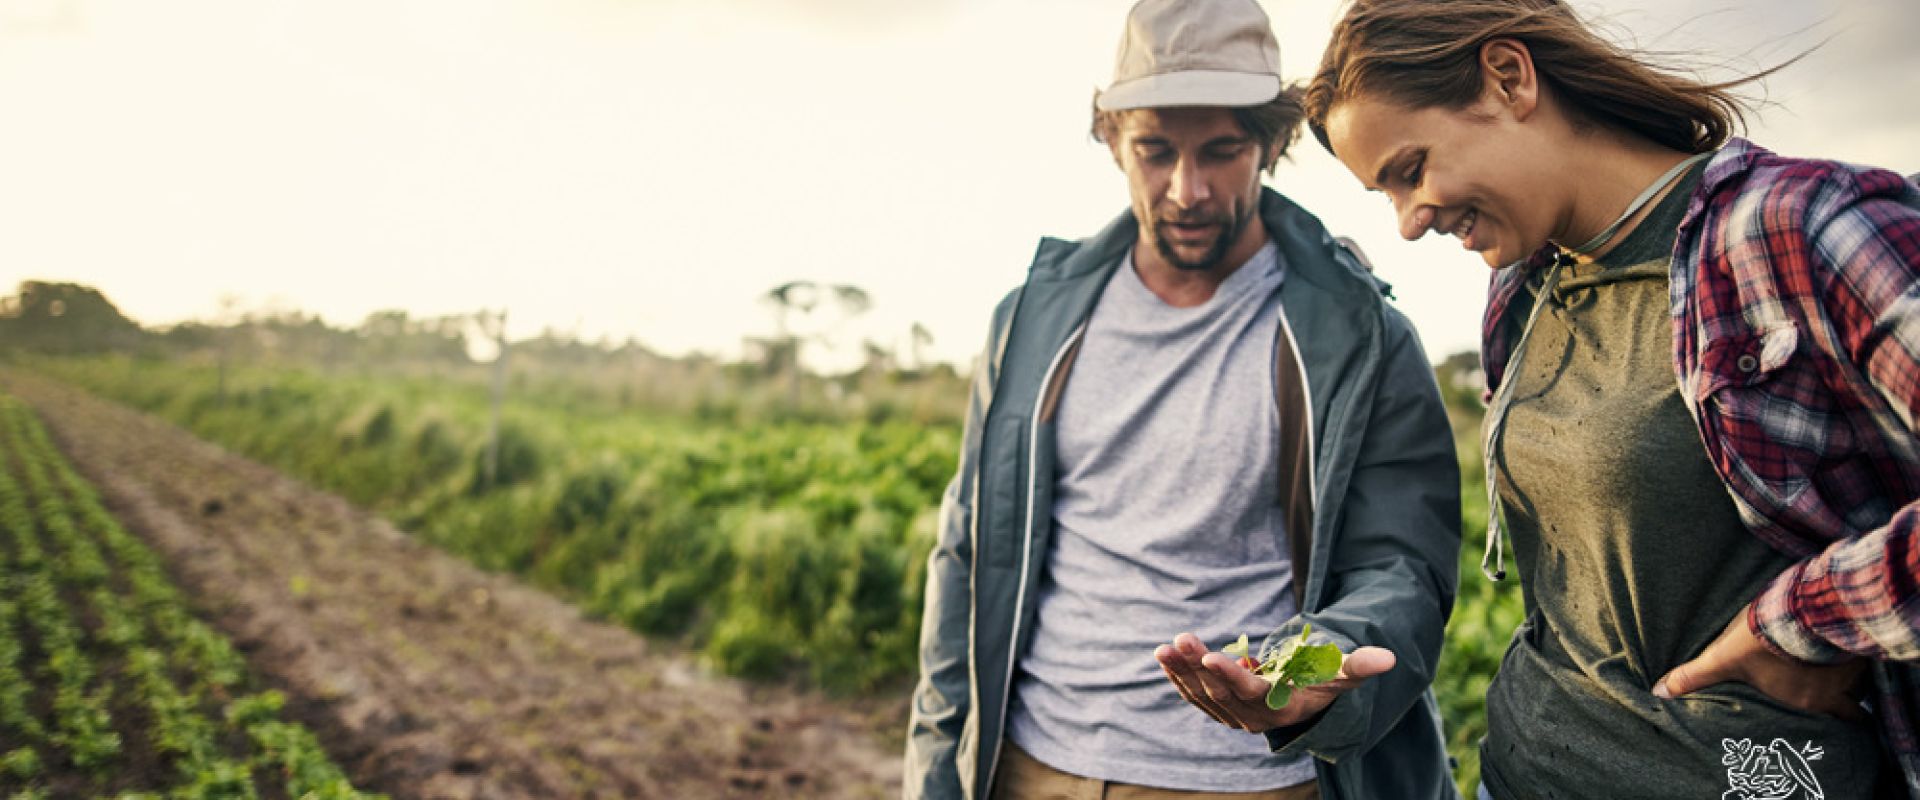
(776, 547)
(124, 670)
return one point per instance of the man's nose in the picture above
(1188, 188)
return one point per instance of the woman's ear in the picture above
(1506, 68)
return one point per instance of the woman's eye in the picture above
(1414, 172)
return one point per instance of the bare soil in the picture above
(427, 678)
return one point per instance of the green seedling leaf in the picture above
(1314, 664)
(1278, 695)
(1283, 655)
(1292, 665)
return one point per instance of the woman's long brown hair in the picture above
(1426, 53)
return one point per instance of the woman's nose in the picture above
(1415, 219)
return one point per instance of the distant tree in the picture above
(853, 300)
(804, 298)
(879, 359)
(393, 335)
(64, 318)
(920, 339)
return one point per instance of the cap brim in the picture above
(1191, 88)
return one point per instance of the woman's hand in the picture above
(1738, 655)
(1226, 690)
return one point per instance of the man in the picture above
(1205, 418)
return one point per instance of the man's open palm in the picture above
(1219, 685)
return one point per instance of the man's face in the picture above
(1194, 175)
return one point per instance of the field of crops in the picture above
(779, 549)
(108, 685)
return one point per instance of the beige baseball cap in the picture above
(1194, 53)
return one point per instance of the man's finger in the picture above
(1185, 671)
(1190, 646)
(1201, 701)
(1243, 683)
(1173, 666)
(1235, 710)
(1215, 686)
(1241, 694)
(1181, 674)
(1219, 694)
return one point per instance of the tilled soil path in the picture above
(427, 678)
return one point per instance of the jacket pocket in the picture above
(1761, 389)
(1004, 474)
(1746, 359)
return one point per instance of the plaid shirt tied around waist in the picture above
(1796, 333)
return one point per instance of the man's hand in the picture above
(1219, 685)
(1738, 655)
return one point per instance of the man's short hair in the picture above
(1275, 124)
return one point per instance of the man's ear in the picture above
(1508, 79)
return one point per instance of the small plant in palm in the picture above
(1295, 664)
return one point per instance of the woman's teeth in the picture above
(1465, 225)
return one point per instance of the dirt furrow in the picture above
(429, 678)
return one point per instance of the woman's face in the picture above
(1476, 173)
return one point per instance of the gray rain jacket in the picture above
(1367, 467)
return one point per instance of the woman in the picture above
(1705, 369)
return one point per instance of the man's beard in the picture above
(1230, 227)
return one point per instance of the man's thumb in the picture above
(1367, 662)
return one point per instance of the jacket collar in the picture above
(1734, 160)
(1309, 250)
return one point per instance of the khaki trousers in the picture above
(1024, 778)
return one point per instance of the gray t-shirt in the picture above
(1166, 519)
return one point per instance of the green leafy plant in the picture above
(90, 623)
(21, 763)
(1293, 665)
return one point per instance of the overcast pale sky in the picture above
(649, 168)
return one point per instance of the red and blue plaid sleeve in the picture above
(1853, 248)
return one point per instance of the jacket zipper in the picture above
(1026, 551)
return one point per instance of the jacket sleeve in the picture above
(1394, 564)
(942, 697)
(1857, 597)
